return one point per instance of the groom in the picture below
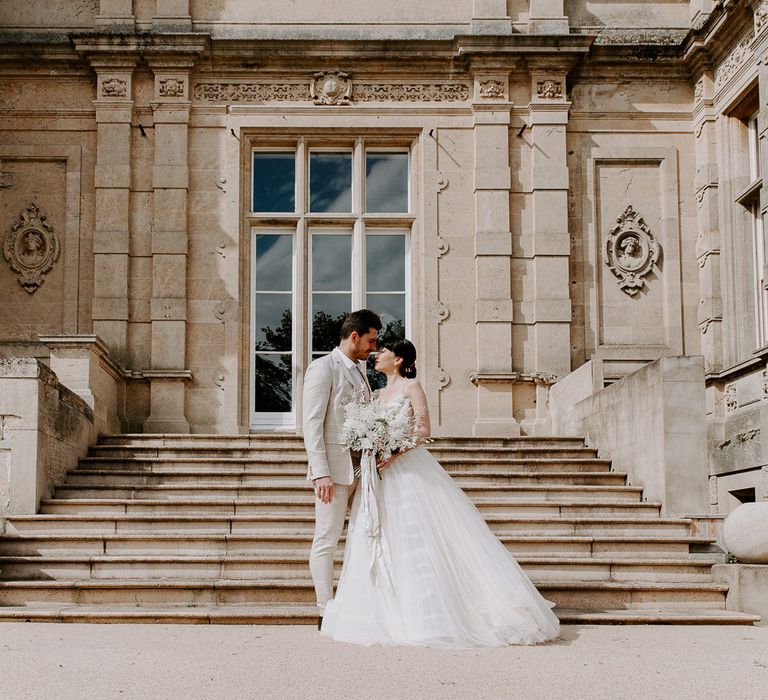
(329, 382)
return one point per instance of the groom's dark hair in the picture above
(360, 322)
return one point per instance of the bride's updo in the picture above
(403, 349)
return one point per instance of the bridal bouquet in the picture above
(378, 428)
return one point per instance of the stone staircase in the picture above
(217, 529)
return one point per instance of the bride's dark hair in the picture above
(403, 349)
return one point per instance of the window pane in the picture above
(328, 312)
(330, 182)
(273, 383)
(385, 263)
(274, 263)
(272, 325)
(386, 182)
(331, 263)
(391, 308)
(274, 181)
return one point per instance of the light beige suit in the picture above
(328, 384)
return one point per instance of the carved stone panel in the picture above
(631, 251)
(492, 89)
(31, 247)
(114, 87)
(171, 87)
(331, 88)
(549, 89)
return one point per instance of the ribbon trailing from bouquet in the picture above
(381, 563)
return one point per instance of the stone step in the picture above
(57, 524)
(581, 595)
(292, 439)
(306, 614)
(304, 504)
(285, 489)
(298, 452)
(290, 566)
(128, 478)
(257, 465)
(638, 546)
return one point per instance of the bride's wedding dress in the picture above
(445, 580)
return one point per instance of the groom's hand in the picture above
(324, 488)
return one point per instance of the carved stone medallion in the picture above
(31, 247)
(331, 88)
(631, 251)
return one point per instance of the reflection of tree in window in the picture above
(273, 371)
(326, 331)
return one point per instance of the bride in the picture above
(445, 580)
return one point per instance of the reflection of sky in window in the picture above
(386, 182)
(331, 263)
(385, 263)
(274, 262)
(390, 307)
(330, 182)
(274, 182)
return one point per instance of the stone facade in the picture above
(578, 191)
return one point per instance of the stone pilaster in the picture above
(491, 17)
(549, 311)
(760, 47)
(706, 182)
(168, 308)
(114, 109)
(493, 247)
(172, 15)
(116, 15)
(547, 17)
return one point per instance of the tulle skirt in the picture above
(450, 582)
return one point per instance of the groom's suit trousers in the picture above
(329, 523)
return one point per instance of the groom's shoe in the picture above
(319, 624)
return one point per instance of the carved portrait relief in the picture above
(631, 251)
(31, 247)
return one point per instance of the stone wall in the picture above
(44, 430)
(651, 424)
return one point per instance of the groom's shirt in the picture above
(357, 370)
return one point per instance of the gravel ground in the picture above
(64, 661)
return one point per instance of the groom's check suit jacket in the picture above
(328, 384)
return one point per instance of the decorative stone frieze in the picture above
(731, 403)
(252, 92)
(549, 89)
(765, 384)
(171, 87)
(31, 247)
(411, 92)
(260, 93)
(738, 56)
(114, 87)
(492, 89)
(631, 251)
(331, 88)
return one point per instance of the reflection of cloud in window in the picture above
(331, 183)
(273, 262)
(386, 183)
